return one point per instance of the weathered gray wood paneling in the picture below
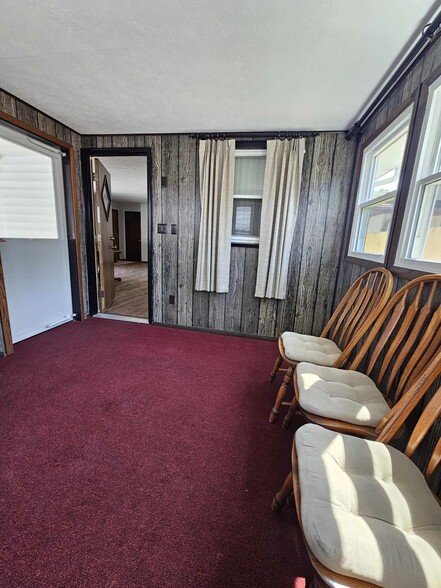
(313, 261)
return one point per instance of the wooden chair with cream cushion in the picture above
(401, 343)
(359, 308)
(366, 512)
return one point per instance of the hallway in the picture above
(131, 293)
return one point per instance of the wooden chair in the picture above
(366, 513)
(359, 308)
(401, 343)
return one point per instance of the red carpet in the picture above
(134, 455)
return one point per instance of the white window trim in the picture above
(20, 138)
(366, 178)
(416, 188)
(240, 239)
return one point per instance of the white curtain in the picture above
(281, 190)
(216, 173)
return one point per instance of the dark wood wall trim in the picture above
(4, 314)
(86, 154)
(73, 222)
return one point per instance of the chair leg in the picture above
(281, 394)
(280, 498)
(287, 421)
(276, 367)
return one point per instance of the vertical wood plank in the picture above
(290, 308)
(45, 123)
(412, 80)
(8, 103)
(432, 59)
(250, 304)
(104, 141)
(170, 199)
(88, 141)
(120, 141)
(233, 302)
(200, 299)
(216, 311)
(26, 113)
(187, 182)
(333, 231)
(267, 317)
(314, 231)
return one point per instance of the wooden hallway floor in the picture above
(131, 292)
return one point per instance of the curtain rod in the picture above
(256, 135)
(428, 35)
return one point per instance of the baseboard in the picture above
(217, 332)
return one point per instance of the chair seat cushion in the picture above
(367, 511)
(344, 395)
(308, 348)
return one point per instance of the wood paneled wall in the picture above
(314, 256)
(28, 114)
(349, 272)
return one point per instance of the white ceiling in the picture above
(128, 177)
(203, 65)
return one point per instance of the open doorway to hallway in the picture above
(121, 228)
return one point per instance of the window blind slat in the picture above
(27, 193)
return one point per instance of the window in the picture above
(378, 185)
(30, 175)
(248, 190)
(420, 243)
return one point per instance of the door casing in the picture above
(86, 154)
(72, 219)
(132, 220)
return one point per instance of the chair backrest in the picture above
(359, 308)
(401, 411)
(404, 339)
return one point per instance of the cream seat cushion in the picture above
(308, 348)
(345, 395)
(367, 511)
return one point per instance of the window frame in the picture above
(241, 240)
(363, 181)
(417, 185)
(56, 156)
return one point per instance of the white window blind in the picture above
(27, 190)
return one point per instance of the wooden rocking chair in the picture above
(357, 311)
(367, 515)
(401, 343)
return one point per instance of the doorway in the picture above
(117, 185)
(133, 235)
(34, 251)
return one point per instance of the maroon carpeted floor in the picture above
(134, 455)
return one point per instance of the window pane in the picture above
(248, 175)
(432, 149)
(246, 217)
(427, 238)
(374, 227)
(27, 193)
(387, 166)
